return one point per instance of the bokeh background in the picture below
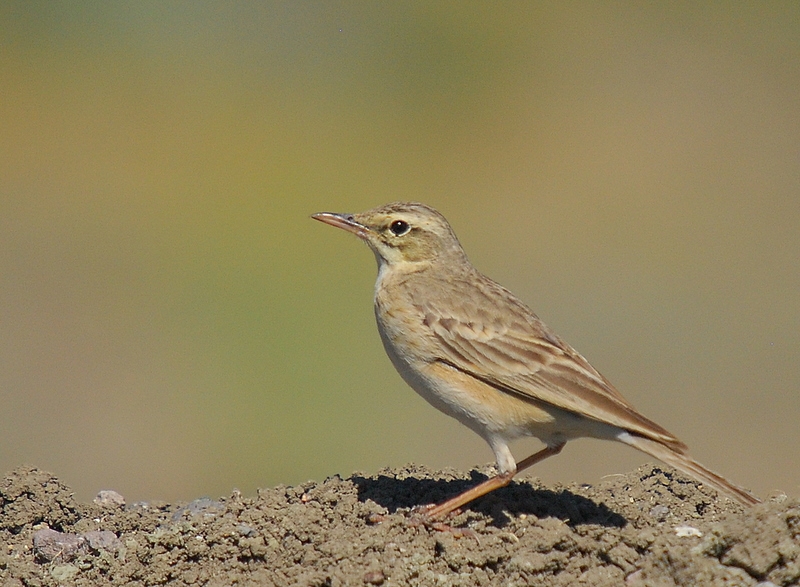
(172, 323)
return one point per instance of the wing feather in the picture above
(521, 356)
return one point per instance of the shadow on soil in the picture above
(515, 499)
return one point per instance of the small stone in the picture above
(374, 577)
(633, 578)
(659, 512)
(199, 510)
(108, 498)
(50, 545)
(686, 531)
(102, 540)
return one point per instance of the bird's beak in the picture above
(343, 221)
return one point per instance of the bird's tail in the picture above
(685, 464)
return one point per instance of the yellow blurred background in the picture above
(172, 323)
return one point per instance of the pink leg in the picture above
(499, 480)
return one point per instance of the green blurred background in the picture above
(172, 323)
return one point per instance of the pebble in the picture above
(200, 509)
(686, 531)
(50, 545)
(660, 512)
(108, 498)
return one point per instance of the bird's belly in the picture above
(479, 406)
(488, 411)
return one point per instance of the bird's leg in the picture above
(499, 480)
(538, 457)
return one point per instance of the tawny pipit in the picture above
(477, 353)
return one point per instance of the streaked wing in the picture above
(521, 356)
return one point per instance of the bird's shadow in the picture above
(519, 497)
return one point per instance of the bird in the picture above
(476, 352)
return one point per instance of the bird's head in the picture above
(401, 232)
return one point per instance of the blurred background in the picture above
(172, 323)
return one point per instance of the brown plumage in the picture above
(476, 352)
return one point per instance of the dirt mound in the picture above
(649, 527)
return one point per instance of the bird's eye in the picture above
(399, 227)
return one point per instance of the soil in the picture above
(649, 527)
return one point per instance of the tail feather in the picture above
(685, 464)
